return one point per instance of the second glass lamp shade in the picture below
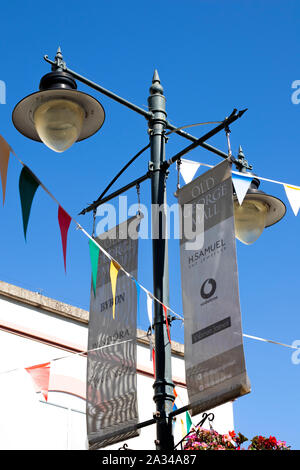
(250, 220)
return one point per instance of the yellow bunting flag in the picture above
(183, 429)
(114, 269)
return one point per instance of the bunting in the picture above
(151, 346)
(114, 270)
(150, 317)
(4, 158)
(188, 169)
(138, 290)
(241, 185)
(183, 429)
(28, 185)
(292, 192)
(150, 308)
(40, 375)
(293, 195)
(175, 407)
(188, 420)
(94, 255)
(64, 221)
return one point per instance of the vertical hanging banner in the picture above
(213, 342)
(112, 409)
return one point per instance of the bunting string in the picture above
(244, 174)
(242, 181)
(65, 220)
(84, 353)
(72, 355)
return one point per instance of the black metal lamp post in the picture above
(59, 115)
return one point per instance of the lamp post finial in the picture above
(156, 87)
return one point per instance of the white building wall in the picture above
(29, 335)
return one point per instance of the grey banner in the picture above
(112, 410)
(213, 342)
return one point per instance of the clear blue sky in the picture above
(211, 56)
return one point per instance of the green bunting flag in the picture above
(94, 255)
(189, 423)
(28, 185)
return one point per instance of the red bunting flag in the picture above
(40, 375)
(64, 221)
(4, 158)
(153, 360)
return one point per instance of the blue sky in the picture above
(212, 56)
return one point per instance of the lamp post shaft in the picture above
(163, 384)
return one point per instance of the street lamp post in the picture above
(163, 385)
(59, 115)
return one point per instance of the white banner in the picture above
(112, 409)
(214, 356)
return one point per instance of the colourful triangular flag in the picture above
(241, 185)
(188, 419)
(64, 221)
(151, 346)
(183, 429)
(188, 169)
(94, 255)
(138, 289)
(4, 158)
(150, 308)
(114, 269)
(293, 195)
(175, 407)
(28, 185)
(40, 375)
(153, 360)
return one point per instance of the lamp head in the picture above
(58, 114)
(258, 211)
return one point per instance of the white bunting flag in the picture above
(241, 185)
(150, 316)
(151, 345)
(293, 195)
(149, 308)
(188, 170)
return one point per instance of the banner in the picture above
(214, 355)
(112, 409)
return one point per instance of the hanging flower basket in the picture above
(204, 439)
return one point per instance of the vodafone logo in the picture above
(208, 288)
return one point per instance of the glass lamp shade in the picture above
(250, 220)
(58, 123)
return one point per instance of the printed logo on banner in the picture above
(208, 288)
(207, 252)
